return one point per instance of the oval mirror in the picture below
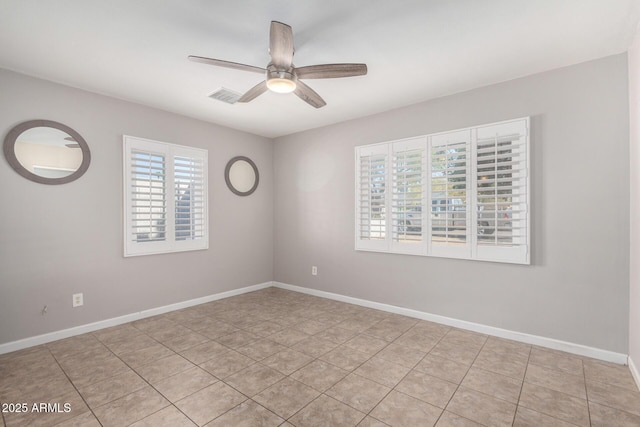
(47, 152)
(241, 175)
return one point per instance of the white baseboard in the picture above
(634, 372)
(90, 327)
(568, 347)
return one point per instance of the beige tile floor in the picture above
(281, 358)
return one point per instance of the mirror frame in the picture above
(10, 154)
(228, 180)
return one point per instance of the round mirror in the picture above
(47, 152)
(241, 175)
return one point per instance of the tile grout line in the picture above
(522, 385)
(394, 387)
(567, 394)
(141, 377)
(465, 375)
(286, 376)
(417, 363)
(197, 365)
(368, 414)
(322, 393)
(144, 379)
(73, 385)
(586, 390)
(251, 398)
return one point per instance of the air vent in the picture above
(225, 95)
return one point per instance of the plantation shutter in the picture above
(165, 190)
(371, 195)
(459, 194)
(502, 196)
(407, 195)
(148, 197)
(450, 174)
(189, 198)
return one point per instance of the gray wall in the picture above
(634, 113)
(60, 240)
(577, 288)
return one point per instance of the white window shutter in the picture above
(407, 196)
(502, 196)
(371, 195)
(449, 204)
(148, 197)
(189, 196)
(165, 192)
(459, 194)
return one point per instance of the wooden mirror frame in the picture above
(10, 154)
(228, 180)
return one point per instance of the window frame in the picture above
(169, 243)
(517, 248)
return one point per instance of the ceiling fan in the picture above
(281, 75)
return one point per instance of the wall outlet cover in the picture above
(78, 300)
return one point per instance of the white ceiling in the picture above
(415, 49)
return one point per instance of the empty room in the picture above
(320, 213)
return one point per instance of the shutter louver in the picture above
(406, 198)
(372, 197)
(148, 197)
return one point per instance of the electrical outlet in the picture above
(78, 300)
(314, 270)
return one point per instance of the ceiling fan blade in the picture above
(331, 71)
(308, 95)
(254, 92)
(281, 44)
(226, 64)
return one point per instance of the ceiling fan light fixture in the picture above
(280, 85)
(280, 80)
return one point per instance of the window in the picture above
(459, 194)
(165, 187)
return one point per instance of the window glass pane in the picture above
(189, 200)
(148, 200)
(501, 192)
(449, 193)
(372, 197)
(407, 196)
